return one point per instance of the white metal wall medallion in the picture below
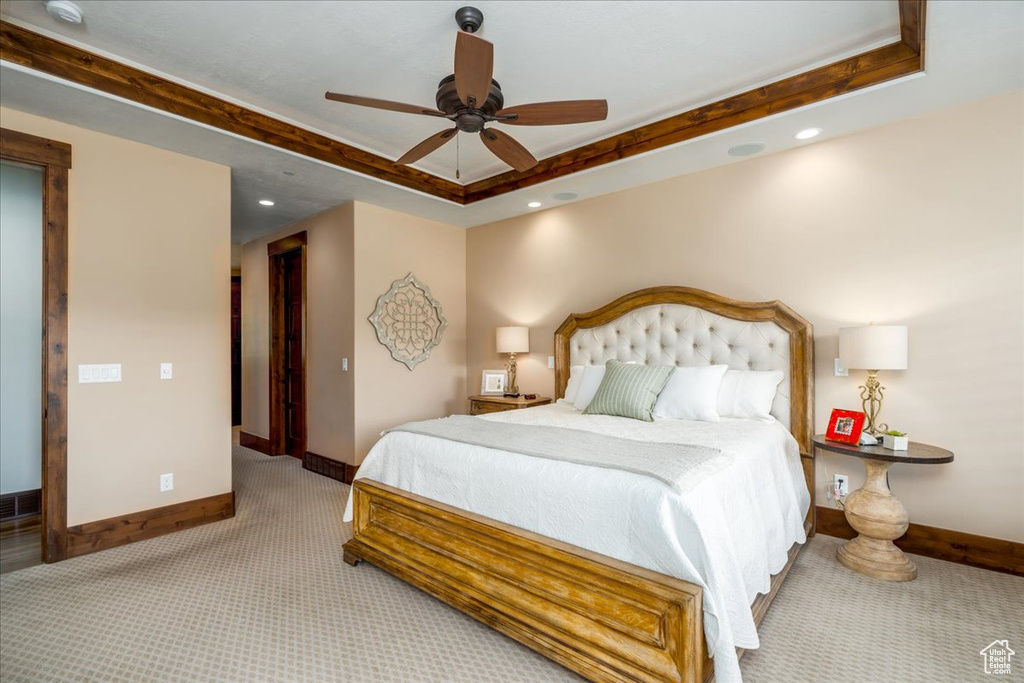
(408, 321)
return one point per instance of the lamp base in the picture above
(871, 394)
(513, 388)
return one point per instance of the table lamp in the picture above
(873, 348)
(513, 340)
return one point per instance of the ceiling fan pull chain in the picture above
(457, 151)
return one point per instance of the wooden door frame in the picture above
(275, 250)
(55, 160)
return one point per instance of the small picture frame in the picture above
(845, 426)
(493, 382)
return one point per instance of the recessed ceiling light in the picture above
(65, 10)
(808, 133)
(534, 205)
(564, 196)
(267, 202)
(746, 149)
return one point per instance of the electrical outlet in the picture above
(166, 482)
(344, 364)
(166, 371)
(841, 485)
(551, 362)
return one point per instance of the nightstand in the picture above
(481, 405)
(877, 516)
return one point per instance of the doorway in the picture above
(288, 345)
(51, 160)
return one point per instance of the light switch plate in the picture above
(166, 370)
(839, 370)
(167, 482)
(344, 364)
(551, 362)
(92, 374)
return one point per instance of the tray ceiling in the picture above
(648, 59)
(647, 53)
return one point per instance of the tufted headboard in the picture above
(684, 326)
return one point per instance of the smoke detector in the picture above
(65, 10)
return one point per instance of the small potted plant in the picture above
(894, 440)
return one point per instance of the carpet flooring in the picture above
(265, 596)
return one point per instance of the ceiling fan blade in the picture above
(383, 104)
(474, 63)
(427, 146)
(557, 113)
(508, 150)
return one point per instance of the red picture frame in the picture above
(845, 426)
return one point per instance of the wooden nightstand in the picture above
(876, 515)
(480, 405)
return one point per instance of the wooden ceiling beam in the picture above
(41, 53)
(845, 76)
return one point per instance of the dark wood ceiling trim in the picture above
(27, 48)
(912, 26)
(845, 76)
(21, 46)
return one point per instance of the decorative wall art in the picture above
(408, 321)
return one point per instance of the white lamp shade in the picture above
(875, 347)
(513, 339)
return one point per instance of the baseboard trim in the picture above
(257, 443)
(333, 469)
(139, 526)
(943, 544)
(20, 504)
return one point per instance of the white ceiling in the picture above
(648, 59)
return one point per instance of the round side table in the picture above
(877, 516)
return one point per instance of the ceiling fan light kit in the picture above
(470, 98)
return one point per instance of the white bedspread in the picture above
(729, 534)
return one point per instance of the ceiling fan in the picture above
(471, 98)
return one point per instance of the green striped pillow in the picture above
(629, 390)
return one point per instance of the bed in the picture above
(609, 573)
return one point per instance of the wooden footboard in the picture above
(605, 619)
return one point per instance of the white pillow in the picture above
(748, 393)
(591, 380)
(592, 376)
(572, 387)
(691, 393)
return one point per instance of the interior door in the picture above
(236, 350)
(294, 371)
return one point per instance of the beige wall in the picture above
(149, 250)
(329, 326)
(918, 223)
(354, 253)
(389, 246)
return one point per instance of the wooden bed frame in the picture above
(602, 618)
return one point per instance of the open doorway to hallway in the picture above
(33, 348)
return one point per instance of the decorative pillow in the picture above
(691, 393)
(589, 382)
(572, 387)
(629, 390)
(748, 393)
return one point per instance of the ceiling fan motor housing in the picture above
(469, 120)
(469, 19)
